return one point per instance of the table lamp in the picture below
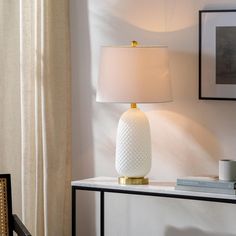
(134, 74)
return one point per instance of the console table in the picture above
(155, 189)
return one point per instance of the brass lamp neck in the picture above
(133, 105)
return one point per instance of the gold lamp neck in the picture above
(133, 105)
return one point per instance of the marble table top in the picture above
(156, 187)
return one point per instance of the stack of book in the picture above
(206, 184)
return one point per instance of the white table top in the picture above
(111, 183)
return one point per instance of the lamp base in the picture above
(133, 144)
(133, 180)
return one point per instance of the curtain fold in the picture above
(43, 112)
(10, 120)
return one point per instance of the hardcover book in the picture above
(206, 189)
(208, 181)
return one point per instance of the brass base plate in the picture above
(133, 180)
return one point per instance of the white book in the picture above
(206, 189)
(206, 181)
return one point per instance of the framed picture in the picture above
(217, 54)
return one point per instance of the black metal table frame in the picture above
(153, 194)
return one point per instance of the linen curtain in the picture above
(35, 111)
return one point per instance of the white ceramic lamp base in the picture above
(133, 150)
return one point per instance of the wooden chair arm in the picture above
(19, 227)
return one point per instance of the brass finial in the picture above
(134, 44)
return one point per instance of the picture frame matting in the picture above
(217, 54)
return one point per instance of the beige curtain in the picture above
(35, 132)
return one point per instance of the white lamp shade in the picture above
(134, 75)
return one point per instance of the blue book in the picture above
(206, 181)
(205, 189)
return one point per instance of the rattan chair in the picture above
(8, 221)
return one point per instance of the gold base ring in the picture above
(133, 180)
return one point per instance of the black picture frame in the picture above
(217, 74)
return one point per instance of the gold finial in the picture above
(134, 44)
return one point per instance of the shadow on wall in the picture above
(82, 137)
(192, 148)
(172, 231)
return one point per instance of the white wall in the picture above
(189, 136)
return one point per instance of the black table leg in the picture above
(102, 213)
(73, 211)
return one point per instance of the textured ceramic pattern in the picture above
(133, 151)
